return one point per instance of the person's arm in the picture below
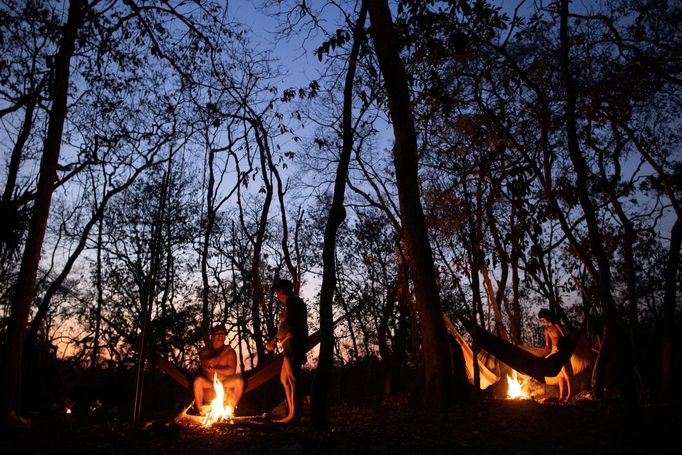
(284, 330)
(206, 362)
(226, 362)
(282, 334)
(548, 343)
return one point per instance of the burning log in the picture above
(515, 387)
(219, 411)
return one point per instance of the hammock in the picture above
(487, 376)
(270, 368)
(575, 351)
(580, 360)
(253, 379)
(266, 370)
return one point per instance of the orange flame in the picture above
(219, 411)
(515, 388)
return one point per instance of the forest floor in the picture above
(488, 427)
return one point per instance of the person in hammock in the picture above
(554, 334)
(221, 360)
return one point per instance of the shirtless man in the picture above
(218, 359)
(553, 332)
(292, 335)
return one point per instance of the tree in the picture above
(48, 169)
(438, 371)
(337, 215)
(622, 350)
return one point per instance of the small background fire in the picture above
(516, 386)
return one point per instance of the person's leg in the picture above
(296, 391)
(288, 382)
(234, 388)
(567, 379)
(561, 387)
(200, 383)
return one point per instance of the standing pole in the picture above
(148, 298)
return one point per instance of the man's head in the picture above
(283, 289)
(218, 331)
(545, 316)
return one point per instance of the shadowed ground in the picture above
(491, 427)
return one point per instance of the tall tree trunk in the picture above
(25, 289)
(476, 303)
(258, 297)
(206, 316)
(437, 362)
(628, 242)
(499, 297)
(349, 321)
(516, 306)
(494, 301)
(149, 292)
(669, 309)
(337, 214)
(168, 294)
(622, 352)
(100, 299)
(403, 324)
(383, 336)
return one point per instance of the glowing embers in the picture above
(515, 387)
(219, 412)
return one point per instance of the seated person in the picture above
(218, 359)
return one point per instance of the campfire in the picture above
(218, 410)
(515, 387)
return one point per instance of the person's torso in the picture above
(295, 317)
(554, 335)
(222, 355)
